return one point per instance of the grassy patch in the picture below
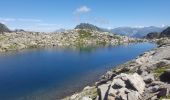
(1, 38)
(167, 97)
(12, 46)
(161, 70)
(84, 34)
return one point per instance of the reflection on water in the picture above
(48, 74)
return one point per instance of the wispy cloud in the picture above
(30, 24)
(83, 9)
(47, 24)
(28, 20)
(6, 20)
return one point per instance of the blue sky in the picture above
(50, 15)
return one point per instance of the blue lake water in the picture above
(49, 74)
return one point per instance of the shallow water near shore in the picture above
(53, 73)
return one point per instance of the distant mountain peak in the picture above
(137, 32)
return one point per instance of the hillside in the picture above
(3, 28)
(165, 33)
(156, 35)
(152, 35)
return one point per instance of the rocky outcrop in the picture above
(88, 26)
(144, 78)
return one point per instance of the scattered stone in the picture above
(149, 78)
(97, 98)
(122, 76)
(118, 83)
(86, 98)
(133, 95)
(110, 97)
(161, 64)
(122, 70)
(153, 89)
(73, 97)
(154, 98)
(163, 92)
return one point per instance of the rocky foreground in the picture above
(73, 38)
(145, 78)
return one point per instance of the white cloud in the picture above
(109, 28)
(28, 20)
(164, 25)
(47, 24)
(29, 24)
(7, 19)
(42, 27)
(139, 26)
(83, 9)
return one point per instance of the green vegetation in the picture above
(160, 70)
(92, 93)
(167, 97)
(1, 38)
(84, 34)
(88, 26)
(12, 46)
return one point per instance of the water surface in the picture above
(49, 74)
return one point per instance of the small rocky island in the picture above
(82, 36)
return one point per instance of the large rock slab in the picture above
(137, 82)
(103, 91)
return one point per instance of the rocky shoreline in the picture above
(144, 78)
(75, 38)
